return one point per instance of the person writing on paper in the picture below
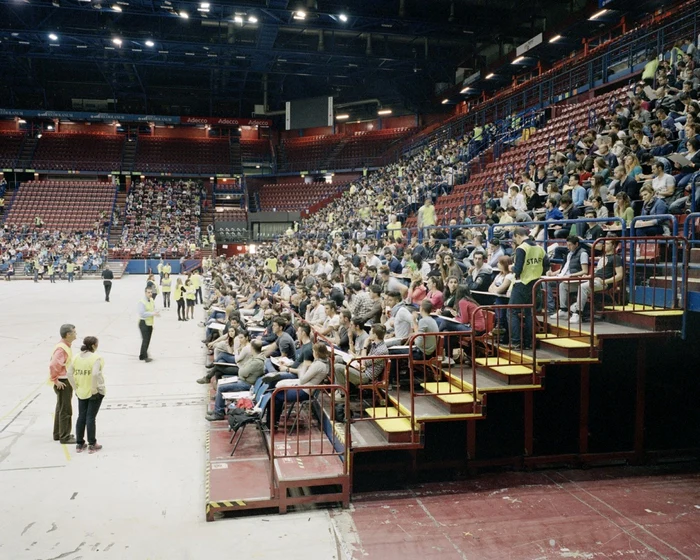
(248, 374)
(303, 357)
(315, 374)
(86, 377)
(232, 353)
(61, 358)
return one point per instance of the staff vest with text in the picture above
(82, 373)
(534, 262)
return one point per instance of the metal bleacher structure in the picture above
(616, 388)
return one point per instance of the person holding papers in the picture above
(229, 355)
(368, 370)
(248, 374)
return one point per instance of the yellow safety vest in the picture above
(50, 269)
(160, 268)
(69, 353)
(167, 269)
(150, 307)
(534, 261)
(178, 292)
(165, 285)
(82, 373)
(196, 280)
(189, 292)
(70, 267)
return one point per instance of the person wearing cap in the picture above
(530, 263)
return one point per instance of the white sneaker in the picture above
(561, 314)
(574, 308)
(575, 318)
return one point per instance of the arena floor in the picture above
(142, 497)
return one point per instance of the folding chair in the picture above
(261, 400)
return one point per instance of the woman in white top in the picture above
(500, 287)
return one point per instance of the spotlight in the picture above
(117, 41)
(116, 8)
(150, 43)
(343, 18)
(53, 36)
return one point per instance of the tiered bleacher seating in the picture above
(294, 196)
(365, 147)
(182, 155)
(307, 152)
(231, 215)
(10, 145)
(231, 224)
(542, 143)
(255, 151)
(78, 151)
(62, 205)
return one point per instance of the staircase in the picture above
(24, 161)
(207, 219)
(235, 157)
(328, 162)
(129, 154)
(115, 232)
(117, 268)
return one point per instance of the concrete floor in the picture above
(142, 496)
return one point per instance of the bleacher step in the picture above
(569, 347)
(457, 401)
(395, 427)
(650, 319)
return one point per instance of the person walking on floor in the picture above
(107, 277)
(166, 284)
(147, 311)
(180, 300)
(86, 377)
(60, 359)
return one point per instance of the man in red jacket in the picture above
(60, 359)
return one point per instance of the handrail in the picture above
(695, 184)
(690, 219)
(659, 218)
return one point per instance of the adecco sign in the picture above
(226, 121)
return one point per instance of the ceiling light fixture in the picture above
(489, 76)
(597, 15)
(238, 19)
(465, 90)
(150, 43)
(299, 14)
(252, 19)
(518, 60)
(53, 36)
(384, 112)
(184, 15)
(49, 127)
(555, 39)
(116, 8)
(342, 117)
(445, 101)
(343, 18)
(117, 41)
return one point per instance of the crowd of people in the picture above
(162, 218)
(49, 254)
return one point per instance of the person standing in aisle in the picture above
(160, 270)
(60, 360)
(86, 376)
(190, 298)
(147, 311)
(196, 279)
(51, 272)
(107, 277)
(166, 286)
(530, 264)
(167, 269)
(70, 270)
(180, 300)
(151, 283)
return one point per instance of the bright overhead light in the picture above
(38, 135)
(49, 127)
(343, 18)
(117, 41)
(116, 8)
(489, 76)
(465, 90)
(184, 15)
(518, 60)
(555, 39)
(150, 43)
(252, 19)
(598, 14)
(204, 5)
(384, 112)
(342, 117)
(21, 121)
(445, 101)
(53, 36)
(238, 19)
(299, 14)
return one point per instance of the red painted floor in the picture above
(650, 512)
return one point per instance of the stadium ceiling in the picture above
(223, 58)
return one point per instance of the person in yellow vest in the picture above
(180, 300)
(51, 272)
(86, 377)
(529, 265)
(166, 284)
(61, 358)
(147, 311)
(196, 279)
(167, 269)
(271, 263)
(37, 266)
(160, 270)
(70, 271)
(190, 297)
(394, 227)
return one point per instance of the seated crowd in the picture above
(161, 218)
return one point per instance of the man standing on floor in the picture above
(60, 359)
(196, 279)
(147, 311)
(107, 277)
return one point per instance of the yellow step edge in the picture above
(394, 425)
(402, 409)
(383, 412)
(444, 387)
(632, 307)
(665, 313)
(513, 370)
(461, 385)
(493, 361)
(568, 343)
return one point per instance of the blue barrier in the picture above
(142, 266)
